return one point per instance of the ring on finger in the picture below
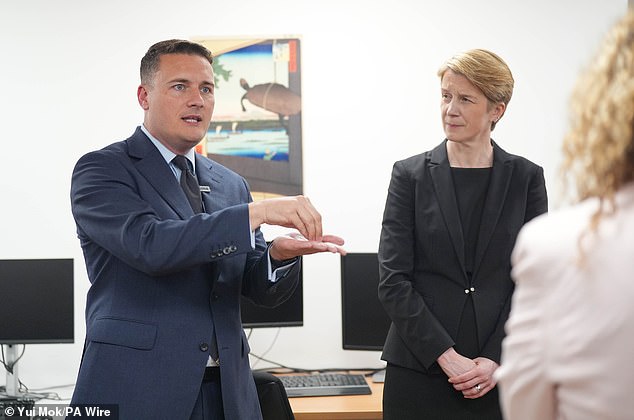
(477, 388)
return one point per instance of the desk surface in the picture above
(344, 407)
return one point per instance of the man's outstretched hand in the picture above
(294, 245)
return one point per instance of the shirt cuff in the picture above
(278, 269)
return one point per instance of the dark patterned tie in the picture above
(189, 183)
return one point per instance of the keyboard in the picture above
(322, 384)
(10, 406)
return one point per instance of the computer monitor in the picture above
(290, 313)
(364, 321)
(36, 306)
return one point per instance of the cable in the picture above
(23, 389)
(25, 393)
(259, 358)
(289, 369)
(9, 368)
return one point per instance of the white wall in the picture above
(370, 96)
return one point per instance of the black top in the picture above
(470, 186)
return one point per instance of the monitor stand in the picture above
(379, 376)
(13, 383)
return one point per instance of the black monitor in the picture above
(36, 306)
(290, 313)
(364, 321)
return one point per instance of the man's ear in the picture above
(142, 95)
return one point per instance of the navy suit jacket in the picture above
(163, 279)
(424, 284)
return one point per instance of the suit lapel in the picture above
(496, 195)
(443, 185)
(156, 171)
(213, 199)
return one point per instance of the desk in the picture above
(344, 407)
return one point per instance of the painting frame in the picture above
(262, 138)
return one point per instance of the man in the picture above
(163, 332)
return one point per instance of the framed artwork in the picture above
(256, 128)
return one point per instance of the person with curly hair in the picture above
(567, 354)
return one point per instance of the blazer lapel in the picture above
(156, 171)
(443, 185)
(211, 185)
(496, 195)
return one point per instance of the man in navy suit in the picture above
(163, 332)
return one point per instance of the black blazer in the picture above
(423, 284)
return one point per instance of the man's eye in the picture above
(206, 90)
(179, 86)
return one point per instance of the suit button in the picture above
(204, 347)
(226, 250)
(466, 291)
(472, 289)
(233, 248)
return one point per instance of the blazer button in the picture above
(226, 250)
(204, 347)
(466, 291)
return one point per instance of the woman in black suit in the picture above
(451, 218)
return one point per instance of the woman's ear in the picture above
(498, 111)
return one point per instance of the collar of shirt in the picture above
(168, 155)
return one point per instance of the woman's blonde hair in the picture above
(487, 71)
(598, 150)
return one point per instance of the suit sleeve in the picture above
(525, 391)
(269, 293)
(537, 201)
(536, 204)
(110, 211)
(417, 326)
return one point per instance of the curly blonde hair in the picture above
(598, 149)
(486, 71)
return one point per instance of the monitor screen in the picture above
(288, 314)
(36, 301)
(364, 321)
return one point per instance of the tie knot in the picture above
(182, 163)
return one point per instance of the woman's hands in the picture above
(474, 378)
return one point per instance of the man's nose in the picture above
(196, 99)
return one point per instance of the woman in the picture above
(571, 331)
(451, 218)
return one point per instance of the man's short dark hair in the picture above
(150, 61)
